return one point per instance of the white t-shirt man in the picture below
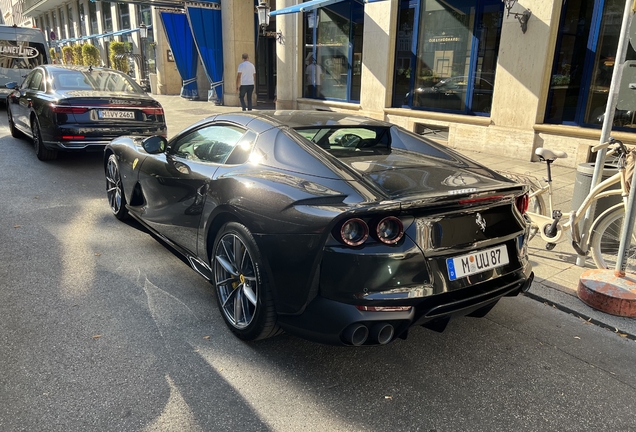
(247, 71)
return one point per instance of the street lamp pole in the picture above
(143, 35)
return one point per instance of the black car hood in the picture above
(401, 176)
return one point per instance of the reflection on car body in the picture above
(301, 230)
(450, 94)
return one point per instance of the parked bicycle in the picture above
(603, 236)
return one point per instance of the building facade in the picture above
(465, 69)
(470, 73)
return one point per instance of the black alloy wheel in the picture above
(42, 152)
(114, 189)
(15, 133)
(241, 287)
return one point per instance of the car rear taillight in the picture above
(384, 308)
(354, 232)
(71, 137)
(59, 109)
(152, 111)
(389, 230)
(522, 203)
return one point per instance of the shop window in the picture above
(333, 51)
(92, 16)
(438, 65)
(584, 63)
(107, 16)
(71, 21)
(124, 16)
(62, 25)
(82, 19)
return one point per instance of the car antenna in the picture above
(90, 68)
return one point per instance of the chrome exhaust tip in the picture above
(355, 334)
(382, 333)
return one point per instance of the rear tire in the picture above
(15, 133)
(115, 189)
(42, 152)
(605, 240)
(241, 286)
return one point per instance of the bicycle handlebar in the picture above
(611, 141)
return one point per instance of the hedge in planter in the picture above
(90, 55)
(67, 55)
(120, 64)
(77, 55)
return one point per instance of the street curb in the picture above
(595, 321)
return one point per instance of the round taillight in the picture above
(354, 232)
(390, 230)
(522, 203)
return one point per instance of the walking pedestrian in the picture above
(245, 79)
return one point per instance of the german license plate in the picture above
(476, 262)
(110, 114)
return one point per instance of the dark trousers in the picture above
(246, 90)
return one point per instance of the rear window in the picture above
(360, 141)
(99, 80)
(22, 54)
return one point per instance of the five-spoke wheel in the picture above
(14, 131)
(241, 286)
(114, 189)
(43, 153)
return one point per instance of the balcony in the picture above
(36, 7)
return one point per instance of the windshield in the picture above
(96, 80)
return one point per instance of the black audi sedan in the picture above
(339, 229)
(80, 108)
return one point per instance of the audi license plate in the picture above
(109, 114)
(477, 262)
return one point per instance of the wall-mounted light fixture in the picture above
(521, 17)
(263, 10)
(263, 15)
(143, 31)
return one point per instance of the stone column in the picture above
(523, 75)
(288, 57)
(378, 56)
(238, 22)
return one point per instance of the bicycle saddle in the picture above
(547, 154)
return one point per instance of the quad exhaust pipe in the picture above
(381, 333)
(357, 334)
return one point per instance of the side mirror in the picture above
(12, 85)
(155, 144)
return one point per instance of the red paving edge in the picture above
(602, 290)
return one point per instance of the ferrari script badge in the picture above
(481, 222)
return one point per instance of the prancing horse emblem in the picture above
(481, 222)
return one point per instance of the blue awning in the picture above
(205, 23)
(311, 5)
(184, 51)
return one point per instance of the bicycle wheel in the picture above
(605, 239)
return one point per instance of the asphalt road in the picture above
(103, 328)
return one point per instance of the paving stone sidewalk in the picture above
(556, 272)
